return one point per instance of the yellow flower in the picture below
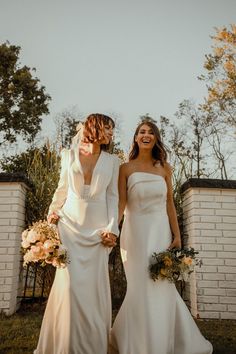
(219, 51)
(229, 66)
(163, 272)
(222, 35)
(167, 261)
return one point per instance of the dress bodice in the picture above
(102, 191)
(146, 193)
(101, 176)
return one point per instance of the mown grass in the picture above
(19, 333)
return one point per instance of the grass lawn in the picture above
(19, 333)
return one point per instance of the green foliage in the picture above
(22, 100)
(41, 166)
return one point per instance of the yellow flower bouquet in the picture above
(41, 244)
(175, 264)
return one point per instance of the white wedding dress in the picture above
(153, 318)
(77, 318)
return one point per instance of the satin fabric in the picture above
(153, 318)
(77, 318)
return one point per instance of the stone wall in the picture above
(209, 208)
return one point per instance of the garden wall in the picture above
(12, 221)
(209, 210)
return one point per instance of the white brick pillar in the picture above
(209, 208)
(12, 221)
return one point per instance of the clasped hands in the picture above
(108, 238)
(53, 218)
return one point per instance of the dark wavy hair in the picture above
(158, 152)
(94, 129)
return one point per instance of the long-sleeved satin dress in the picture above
(77, 318)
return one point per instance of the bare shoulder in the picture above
(168, 169)
(126, 168)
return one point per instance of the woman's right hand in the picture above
(176, 243)
(53, 218)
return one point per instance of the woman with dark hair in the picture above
(153, 318)
(77, 319)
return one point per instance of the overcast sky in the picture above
(116, 56)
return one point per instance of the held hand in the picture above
(108, 239)
(176, 243)
(53, 218)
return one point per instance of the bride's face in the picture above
(108, 134)
(145, 137)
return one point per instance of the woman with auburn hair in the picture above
(77, 319)
(153, 318)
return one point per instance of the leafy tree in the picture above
(193, 134)
(41, 166)
(221, 77)
(23, 100)
(66, 123)
(147, 118)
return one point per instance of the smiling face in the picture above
(145, 137)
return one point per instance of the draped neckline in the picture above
(77, 158)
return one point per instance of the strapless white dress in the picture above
(153, 318)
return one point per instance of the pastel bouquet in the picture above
(41, 244)
(175, 264)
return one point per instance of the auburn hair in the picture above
(94, 129)
(158, 151)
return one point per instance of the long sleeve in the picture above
(113, 198)
(60, 194)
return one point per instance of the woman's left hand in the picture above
(108, 239)
(176, 243)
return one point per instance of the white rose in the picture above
(24, 235)
(25, 244)
(32, 236)
(61, 250)
(48, 245)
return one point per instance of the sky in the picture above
(124, 58)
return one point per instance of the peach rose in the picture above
(187, 260)
(38, 251)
